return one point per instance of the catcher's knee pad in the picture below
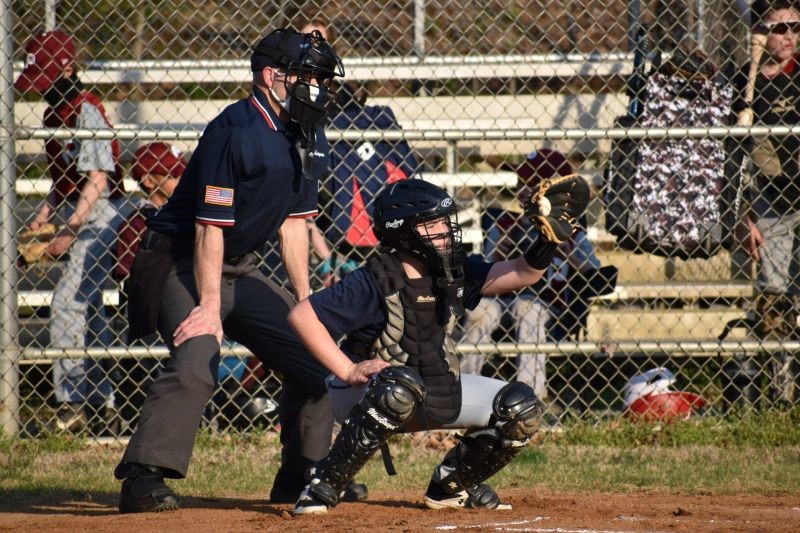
(394, 394)
(481, 453)
(390, 401)
(517, 411)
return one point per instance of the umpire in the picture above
(253, 175)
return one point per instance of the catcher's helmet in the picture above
(307, 55)
(399, 210)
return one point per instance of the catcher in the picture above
(396, 370)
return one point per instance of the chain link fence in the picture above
(460, 93)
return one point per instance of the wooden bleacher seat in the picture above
(660, 324)
(377, 68)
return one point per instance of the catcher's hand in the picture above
(32, 244)
(556, 206)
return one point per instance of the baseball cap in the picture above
(46, 56)
(158, 158)
(278, 49)
(543, 164)
(287, 48)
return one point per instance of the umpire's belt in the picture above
(158, 242)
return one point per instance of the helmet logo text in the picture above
(447, 202)
(394, 224)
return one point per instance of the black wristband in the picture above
(541, 253)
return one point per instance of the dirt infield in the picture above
(403, 511)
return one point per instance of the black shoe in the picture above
(103, 421)
(286, 488)
(144, 490)
(70, 417)
(354, 492)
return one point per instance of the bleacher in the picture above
(687, 303)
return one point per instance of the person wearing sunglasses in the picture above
(770, 229)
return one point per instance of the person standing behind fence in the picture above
(253, 176)
(508, 234)
(157, 168)
(87, 186)
(772, 225)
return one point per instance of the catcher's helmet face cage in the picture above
(419, 219)
(311, 93)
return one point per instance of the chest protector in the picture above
(416, 335)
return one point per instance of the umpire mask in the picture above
(312, 60)
(307, 104)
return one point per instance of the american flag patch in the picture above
(219, 196)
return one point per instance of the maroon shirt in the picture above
(129, 236)
(63, 155)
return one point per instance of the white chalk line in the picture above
(515, 526)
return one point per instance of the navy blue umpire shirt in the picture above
(245, 176)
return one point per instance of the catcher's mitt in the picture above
(32, 244)
(557, 204)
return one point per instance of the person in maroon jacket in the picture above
(87, 188)
(157, 168)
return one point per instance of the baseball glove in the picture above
(32, 244)
(557, 204)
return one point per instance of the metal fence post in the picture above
(419, 28)
(50, 8)
(9, 351)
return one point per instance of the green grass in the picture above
(743, 430)
(759, 455)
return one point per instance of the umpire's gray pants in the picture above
(477, 395)
(254, 312)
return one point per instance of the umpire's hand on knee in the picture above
(200, 321)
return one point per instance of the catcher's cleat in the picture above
(144, 490)
(478, 497)
(354, 492)
(308, 504)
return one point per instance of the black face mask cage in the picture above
(451, 237)
(447, 262)
(315, 69)
(306, 109)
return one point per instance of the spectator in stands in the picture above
(772, 226)
(319, 245)
(157, 168)
(87, 187)
(554, 309)
(360, 169)
(323, 27)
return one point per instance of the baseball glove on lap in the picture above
(32, 244)
(557, 204)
